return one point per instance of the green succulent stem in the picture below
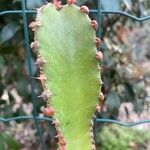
(66, 41)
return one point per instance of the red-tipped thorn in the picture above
(34, 25)
(62, 148)
(93, 147)
(101, 96)
(49, 111)
(34, 45)
(69, 2)
(98, 42)
(57, 4)
(84, 9)
(94, 24)
(99, 55)
(62, 142)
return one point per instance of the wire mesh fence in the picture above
(24, 12)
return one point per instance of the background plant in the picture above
(116, 137)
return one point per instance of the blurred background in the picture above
(125, 72)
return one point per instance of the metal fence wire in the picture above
(24, 12)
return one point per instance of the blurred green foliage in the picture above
(114, 137)
(8, 142)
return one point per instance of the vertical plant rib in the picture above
(66, 42)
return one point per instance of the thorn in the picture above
(40, 61)
(100, 68)
(98, 42)
(91, 129)
(84, 9)
(56, 122)
(46, 95)
(98, 108)
(34, 45)
(101, 96)
(94, 116)
(60, 136)
(48, 111)
(62, 142)
(91, 124)
(42, 108)
(92, 135)
(94, 24)
(42, 78)
(93, 147)
(69, 2)
(99, 55)
(100, 82)
(34, 25)
(62, 148)
(57, 136)
(92, 141)
(57, 4)
(58, 130)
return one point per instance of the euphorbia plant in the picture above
(67, 57)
